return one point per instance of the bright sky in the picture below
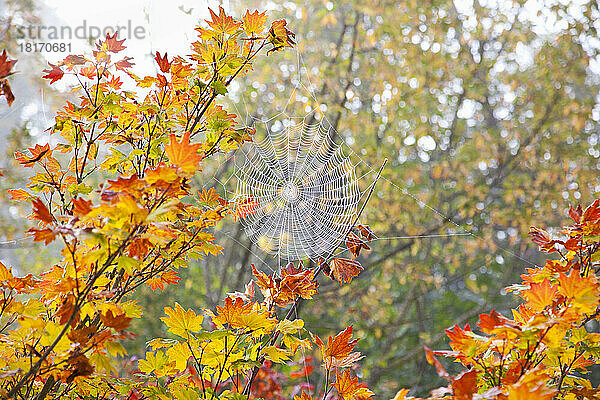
(160, 25)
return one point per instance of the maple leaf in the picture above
(37, 153)
(6, 65)
(118, 322)
(41, 212)
(54, 74)
(5, 71)
(165, 278)
(303, 396)
(366, 232)
(209, 197)
(183, 154)
(43, 235)
(542, 239)
(163, 64)
(355, 244)
(229, 313)
(182, 322)
(431, 359)
(77, 366)
(156, 363)
(575, 213)
(112, 44)
(349, 387)
(255, 22)
(222, 23)
(279, 36)
(591, 213)
(72, 60)
(338, 351)
(245, 206)
(583, 291)
(464, 385)
(540, 295)
(489, 322)
(81, 206)
(343, 269)
(124, 64)
(6, 91)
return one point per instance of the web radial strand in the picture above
(302, 189)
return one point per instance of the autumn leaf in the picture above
(42, 235)
(343, 269)
(37, 153)
(41, 212)
(182, 322)
(355, 244)
(6, 65)
(431, 359)
(81, 206)
(156, 363)
(349, 387)
(163, 64)
(338, 351)
(54, 73)
(255, 22)
(183, 154)
(245, 206)
(118, 322)
(124, 64)
(112, 44)
(542, 239)
(540, 295)
(464, 385)
(72, 60)
(209, 197)
(279, 36)
(6, 91)
(583, 291)
(160, 280)
(303, 396)
(222, 23)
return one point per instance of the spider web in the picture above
(298, 191)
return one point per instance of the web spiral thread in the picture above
(298, 190)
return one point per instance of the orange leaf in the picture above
(431, 359)
(343, 269)
(542, 239)
(464, 385)
(255, 22)
(41, 212)
(118, 322)
(280, 36)
(222, 23)
(159, 281)
(355, 244)
(183, 154)
(349, 388)
(43, 235)
(37, 153)
(163, 63)
(112, 44)
(81, 206)
(338, 351)
(540, 295)
(18, 194)
(231, 311)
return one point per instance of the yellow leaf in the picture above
(182, 322)
(276, 355)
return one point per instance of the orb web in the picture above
(298, 191)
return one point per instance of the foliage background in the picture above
(488, 113)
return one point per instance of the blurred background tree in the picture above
(488, 112)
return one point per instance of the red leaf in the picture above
(37, 153)
(591, 213)
(575, 213)
(6, 65)
(43, 235)
(435, 362)
(159, 281)
(542, 239)
(124, 64)
(343, 269)
(41, 212)
(112, 44)
(54, 74)
(163, 63)
(464, 385)
(6, 91)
